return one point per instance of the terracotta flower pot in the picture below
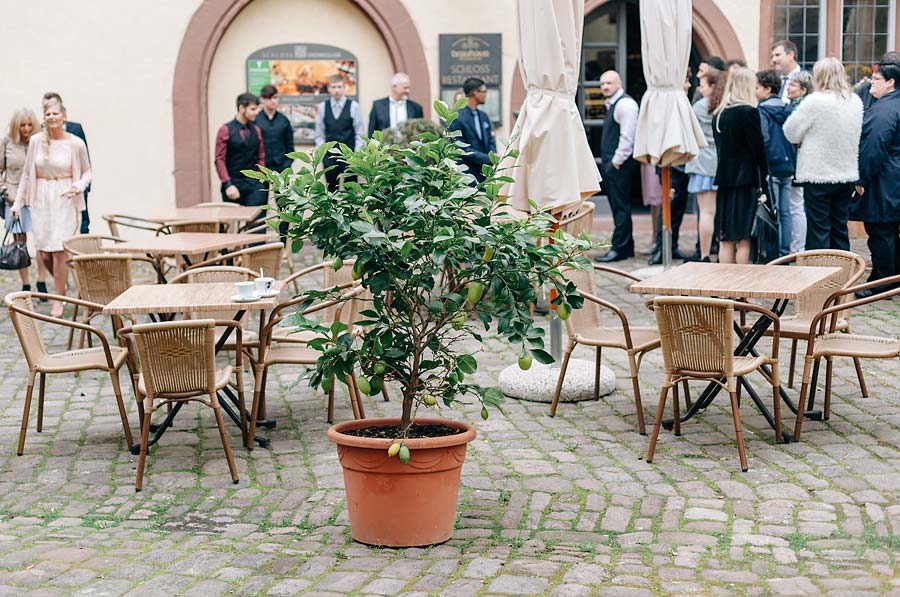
(401, 505)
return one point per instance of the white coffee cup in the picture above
(264, 285)
(244, 289)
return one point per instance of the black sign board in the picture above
(472, 55)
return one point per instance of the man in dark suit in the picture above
(476, 128)
(395, 109)
(77, 130)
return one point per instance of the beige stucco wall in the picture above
(744, 18)
(254, 28)
(113, 68)
(113, 62)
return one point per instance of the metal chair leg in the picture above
(25, 412)
(41, 385)
(657, 424)
(562, 376)
(738, 431)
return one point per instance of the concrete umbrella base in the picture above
(538, 383)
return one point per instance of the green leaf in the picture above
(298, 155)
(492, 397)
(362, 226)
(467, 364)
(542, 356)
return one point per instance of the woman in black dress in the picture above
(741, 169)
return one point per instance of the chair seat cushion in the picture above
(223, 376)
(291, 353)
(854, 345)
(81, 360)
(642, 337)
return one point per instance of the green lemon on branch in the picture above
(393, 449)
(403, 454)
(337, 264)
(525, 361)
(476, 289)
(564, 310)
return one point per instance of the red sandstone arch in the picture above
(712, 34)
(198, 47)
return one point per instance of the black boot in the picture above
(42, 287)
(26, 287)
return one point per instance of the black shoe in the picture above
(611, 256)
(694, 257)
(866, 293)
(655, 259)
(676, 254)
(26, 287)
(42, 287)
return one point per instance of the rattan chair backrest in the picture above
(212, 274)
(193, 226)
(852, 268)
(696, 334)
(81, 244)
(579, 221)
(266, 258)
(330, 279)
(118, 221)
(27, 328)
(101, 277)
(177, 357)
(589, 317)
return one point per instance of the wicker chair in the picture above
(87, 243)
(178, 365)
(41, 362)
(101, 277)
(283, 351)
(796, 326)
(222, 273)
(209, 226)
(116, 222)
(585, 326)
(824, 339)
(265, 258)
(697, 341)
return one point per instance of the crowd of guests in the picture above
(822, 152)
(45, 174)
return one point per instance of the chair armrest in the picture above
(768, 314)
(618, 272)
(835, 308)
(621, 314)
(303, 272)
(70, 324)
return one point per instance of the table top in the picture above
(728, 280)
(188, 243)
(177, 298)
(239, 213)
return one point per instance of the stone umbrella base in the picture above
(538, 383)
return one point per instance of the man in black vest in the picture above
(239, 146)
(277, 133)
(338, 119)
(617, 166)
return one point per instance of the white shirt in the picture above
(784, 81)
(397, 111)
(336, 108)
(626, 115)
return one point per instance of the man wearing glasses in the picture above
(475, 127)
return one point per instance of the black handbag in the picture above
(764, 239)
(15, 254)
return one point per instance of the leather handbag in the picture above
(14, 255)
(764, 232)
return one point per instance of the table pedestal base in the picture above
(538, 383)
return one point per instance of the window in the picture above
(800, 21)
(866, 34)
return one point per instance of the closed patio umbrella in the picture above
(668, 133)
(555, 167)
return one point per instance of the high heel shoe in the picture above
(42, 287)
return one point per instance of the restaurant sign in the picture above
(472, 55)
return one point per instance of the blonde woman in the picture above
(827, 126)
(13, 147)
(53, 180)
(741, 165)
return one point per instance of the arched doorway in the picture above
(198, 48)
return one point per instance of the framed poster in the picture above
(300, 73)
(473, 55)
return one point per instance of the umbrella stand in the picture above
(666, 217)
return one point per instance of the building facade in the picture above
(152, 81)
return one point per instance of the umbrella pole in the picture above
(666, 217)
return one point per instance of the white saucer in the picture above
(244, 299)
(269, 294)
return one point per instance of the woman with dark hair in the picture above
(741, 170)
(702, 170)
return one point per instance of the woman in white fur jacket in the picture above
(826, 127)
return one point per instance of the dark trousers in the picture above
(85, 217)
(617, 184)
(827, 212)
(332, 176)
(679, 205)
(252, 192)
(884, 244)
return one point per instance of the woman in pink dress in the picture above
(53, 181)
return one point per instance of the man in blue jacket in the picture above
(781, 155)
(476, 128)
(877, 199)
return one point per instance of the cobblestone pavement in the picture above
(563, 506)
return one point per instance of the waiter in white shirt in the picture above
(338, 119)
(617, 167)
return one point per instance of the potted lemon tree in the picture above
(441, 266)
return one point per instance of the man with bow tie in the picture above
(397, 108)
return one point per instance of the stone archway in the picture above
(195, 57)
(712, 34)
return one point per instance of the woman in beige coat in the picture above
(56, 173)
